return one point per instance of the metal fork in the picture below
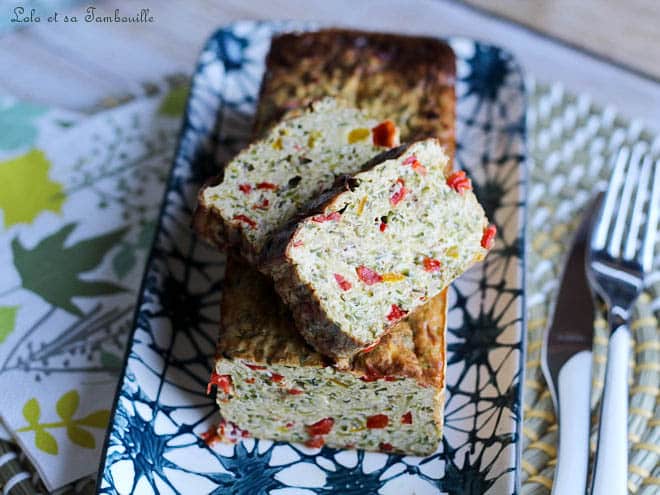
(618, 261)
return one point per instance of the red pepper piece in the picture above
(267, 185)
(261, 206)
(384, 134)
(377, 421)
(245, 433)
(255, 367)
(343, 283)
(382, 226)
(289, 424)
(396, 313)
(459, 182)
(488, 239)
(431, 265)
(415, 164)
(223, 382)
(294, 391)
(399, 192)
(321, 427)
(210, 437)
(406, 419)
(368, 276)
(245, 188)
(276, 377)
(371, 347)
(386, 447)
(246, 219)
(315, 442)
(330, 217)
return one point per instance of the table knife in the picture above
(566, 362)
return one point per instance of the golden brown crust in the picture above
(407, 78)
(258, 328)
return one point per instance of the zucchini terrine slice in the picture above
(272, 385)
(266, 184)
(376, 246)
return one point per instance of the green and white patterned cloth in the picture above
(78, 205)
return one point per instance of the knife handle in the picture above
(574, 390)
(611, 467)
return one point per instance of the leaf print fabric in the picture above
(53, 271)
(77, 216)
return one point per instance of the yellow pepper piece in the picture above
(393, 277)
(313, 136)
(359, 134)
(452, 252)
(360, 207)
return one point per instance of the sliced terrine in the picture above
(376, 246)
(266, 184)
(272, 385)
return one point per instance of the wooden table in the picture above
(76, 65)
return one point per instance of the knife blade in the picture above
(566, 361)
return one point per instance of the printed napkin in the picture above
(79, 198)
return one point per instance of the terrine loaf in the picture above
(265, 185)
(409, 79)
(272, 385)
(376, 246)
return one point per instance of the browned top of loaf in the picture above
(258, 328)
(406, 78)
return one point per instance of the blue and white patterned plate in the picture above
(154, 443)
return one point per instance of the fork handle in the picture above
(611, 466)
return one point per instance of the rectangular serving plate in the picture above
(154, 443)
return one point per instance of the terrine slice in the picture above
(376, 246)
(266, 184)
(272, 385)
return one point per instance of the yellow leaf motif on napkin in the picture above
(66, 407)
(26, 190)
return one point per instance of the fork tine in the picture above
(648, 243)
(605, 219)
(643, 188)
(616, 240)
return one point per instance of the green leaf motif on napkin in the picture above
(175, 101)
(67, 405)
(52, 270)
(66, 408)
(46, 442)
(110, 361)
(26, 188)
(7, 321)
(98, 419)
(32, 412)
(80, 437)
(124, 261)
